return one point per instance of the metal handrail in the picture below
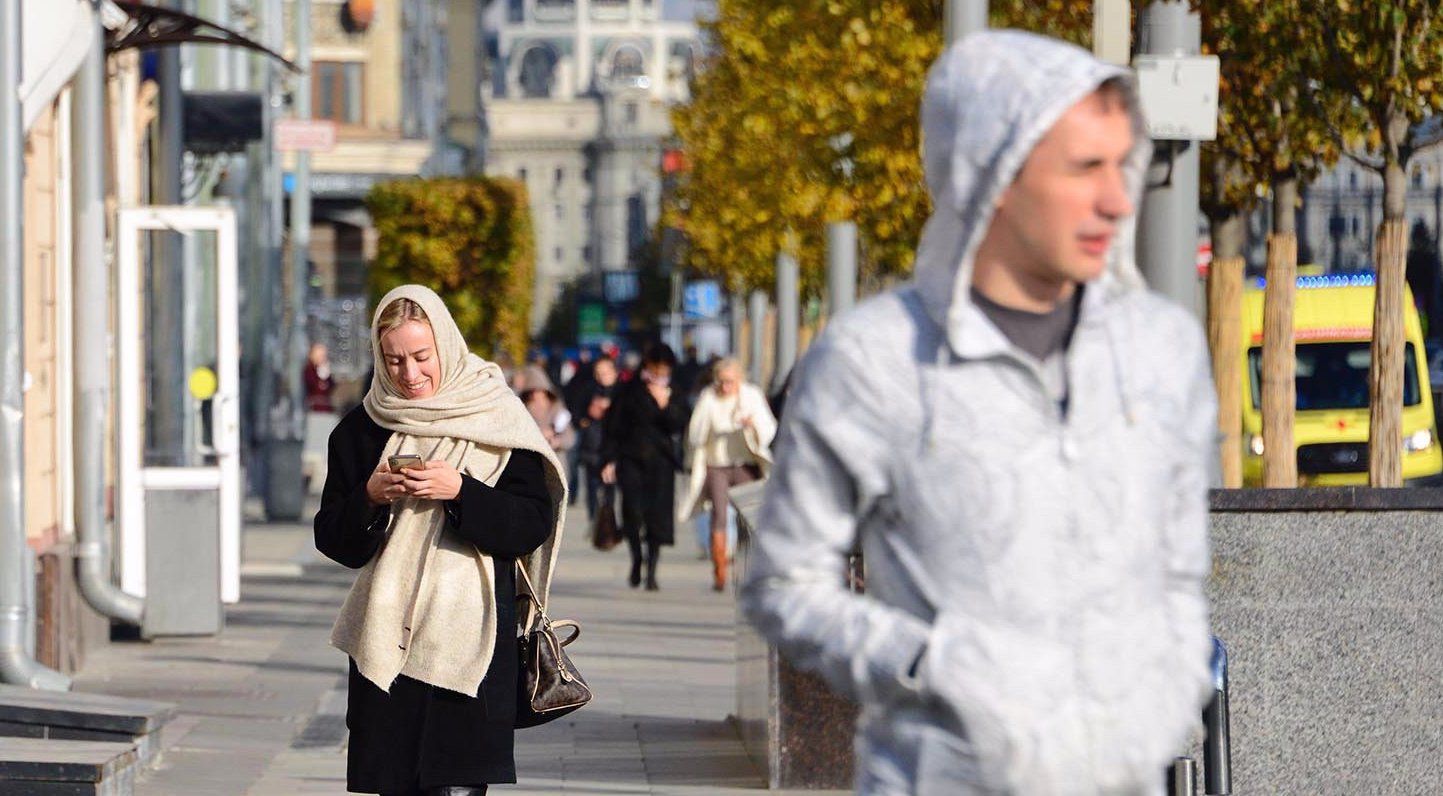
(1217, 740)
(1217, 744)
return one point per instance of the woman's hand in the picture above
(436, 481)
(608, 474)
(384, 486)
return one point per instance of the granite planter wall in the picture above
(1331, 604)
(793, 726)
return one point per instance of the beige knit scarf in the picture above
(425, 605)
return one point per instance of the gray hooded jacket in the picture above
(1034, 621)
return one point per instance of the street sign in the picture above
(702, 300)
(305, 135)
(621, 287)
(1179, 96)
(591, 324)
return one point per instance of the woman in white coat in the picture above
(728, 444)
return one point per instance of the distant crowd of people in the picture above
(631, 425)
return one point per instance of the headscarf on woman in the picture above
(425, 605)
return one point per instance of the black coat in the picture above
(640, 438)
(640, 430)
(418, 735)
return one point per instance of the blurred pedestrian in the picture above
(598, 378)
(689, 380)
(544, 403)
(589, 439)
(431, 623)
(1020, 441)
(318, 381)
(728, 444)
(638, 454)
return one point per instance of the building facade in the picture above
(578, 108)
(1339, 214)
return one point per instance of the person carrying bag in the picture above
(475, 496)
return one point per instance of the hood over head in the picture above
(989, 100)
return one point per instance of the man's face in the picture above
(1056, 222)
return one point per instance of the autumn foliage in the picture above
(469, 239)
(808, 112)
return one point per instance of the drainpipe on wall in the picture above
(17, 665)
(92, 329)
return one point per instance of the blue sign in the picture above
(620, 287)
(702, 300)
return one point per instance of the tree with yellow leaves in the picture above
(806, 113)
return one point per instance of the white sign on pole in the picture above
(1179, 96)
(305, 135)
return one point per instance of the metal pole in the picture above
(789, 316)
(1217, 744)
(1112, 30)
(757, 311)
(16, 664)
(166, 293)
(92, 335)
(961, 17)
(841, 266)
(736, 306)
(1168, 219)
(300, 227)
(1182, 777)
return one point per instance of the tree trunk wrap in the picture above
(1225, 341)
(1385, 376)
(1279, 391)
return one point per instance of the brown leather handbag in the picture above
(548, 684)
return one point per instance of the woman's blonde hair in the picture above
(725, 364)
(398, 313)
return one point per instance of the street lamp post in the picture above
(961, 17)
(1112, 30)
(1168, 219)
(300, 227)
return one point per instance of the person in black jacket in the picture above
(417, 733)
(639, 452)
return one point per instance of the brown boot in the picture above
(719, 561)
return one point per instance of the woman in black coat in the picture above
(639, 451)
(418, 737)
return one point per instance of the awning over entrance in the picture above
(54, 35)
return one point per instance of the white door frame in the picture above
(132, 474)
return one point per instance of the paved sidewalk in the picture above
(262, 706)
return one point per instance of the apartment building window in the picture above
(537, 75)
(337, 88)
(560, 213)
(558, 254)
(560, 176)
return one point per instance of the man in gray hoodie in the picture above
(1019, 441)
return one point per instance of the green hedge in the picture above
(470, 240)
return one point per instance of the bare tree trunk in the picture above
(1225, 294)
(1385, 376)
(1279, 391)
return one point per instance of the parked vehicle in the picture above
(1333, 330)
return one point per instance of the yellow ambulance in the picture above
(1333, 322)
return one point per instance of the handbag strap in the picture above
(531, 593)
